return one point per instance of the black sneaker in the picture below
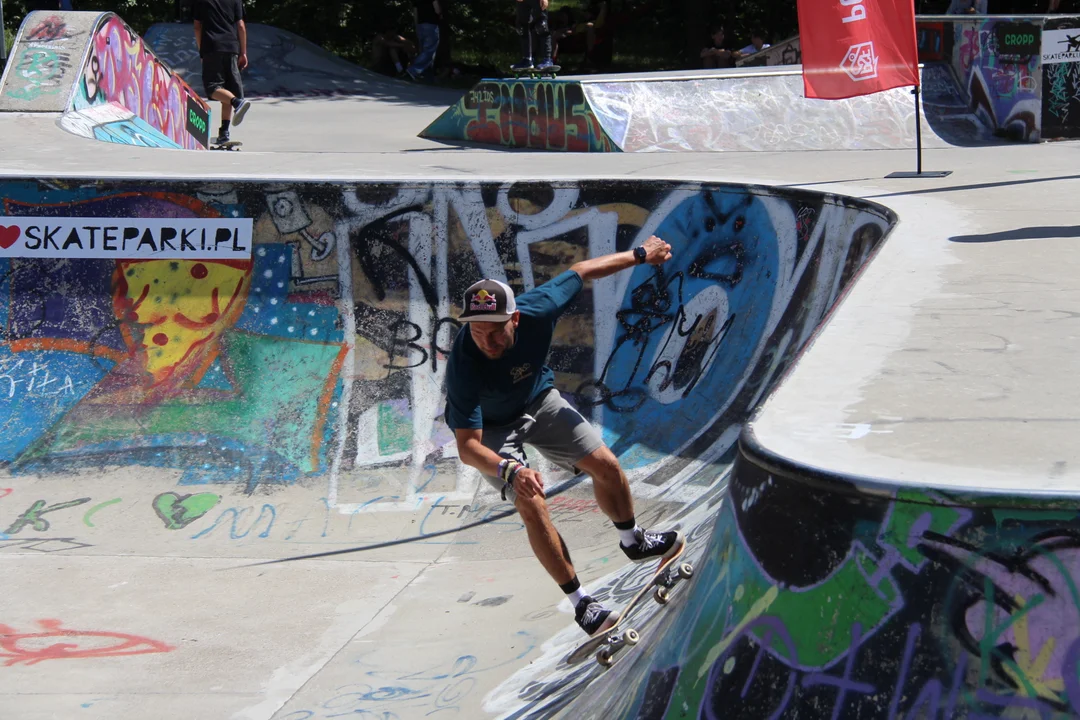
(240, 108)
(220, 139)
(592, 617)
(652, 544)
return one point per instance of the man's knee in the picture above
(604, 466)
(532, 510)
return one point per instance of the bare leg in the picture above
(547, 544)
(610, 485)
(225, 98)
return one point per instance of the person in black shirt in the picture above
(221, 35)
(717, 55)
(428, 13)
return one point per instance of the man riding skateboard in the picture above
(501, 395)
(221, 36)
(532, 22)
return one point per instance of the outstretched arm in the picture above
(657, 252)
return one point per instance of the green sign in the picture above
(1018, 39)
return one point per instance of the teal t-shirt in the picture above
(482, 392)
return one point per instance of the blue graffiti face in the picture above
(688, 330)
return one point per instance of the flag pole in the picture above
(3, 37)
(917, 92)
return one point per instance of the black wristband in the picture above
(640, 255)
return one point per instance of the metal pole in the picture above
(918, 132)
(3, 37)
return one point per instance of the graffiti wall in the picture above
(1061, 78)
(324, 351)
(1004, 90)
(909, 606)
(44, 62)
(120, 70)
(538, 114)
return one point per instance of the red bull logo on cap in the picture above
(483, 301)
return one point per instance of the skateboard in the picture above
(535, 74)
(609, 642)
(232, 145)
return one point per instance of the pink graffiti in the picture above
(122, 70)
(32, 648)
(4, 492)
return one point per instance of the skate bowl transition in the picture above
(101, 81)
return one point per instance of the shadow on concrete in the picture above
(972, 186)
(1028, 233)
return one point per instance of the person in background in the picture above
(428, 14)
(757, 44)
(221, 36)
(717, 55)
(391, 52)
(535, 33)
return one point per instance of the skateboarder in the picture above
(532, 20)
(501, 395)
(221, 36)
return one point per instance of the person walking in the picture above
(221, 36)
(501, 395)
(427, 14)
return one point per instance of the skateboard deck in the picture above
(233, 145)
(606, 644)
(550, 72)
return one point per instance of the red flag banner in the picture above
(857, 47)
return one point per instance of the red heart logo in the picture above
(8, 236)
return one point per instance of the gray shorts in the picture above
(552, 426)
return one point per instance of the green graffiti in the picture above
(395, 430)
(179, 511)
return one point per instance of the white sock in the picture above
(628, 538)
(575, 597)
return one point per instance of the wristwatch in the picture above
(640, 254)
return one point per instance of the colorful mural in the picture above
(121, 70)
(325, 352)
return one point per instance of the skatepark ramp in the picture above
(756, 109)
(102, 82)
(281, 65)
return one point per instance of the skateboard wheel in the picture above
(631, 637)
(686, 571)
(604, 657)
(660, 594)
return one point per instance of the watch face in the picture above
(639, 254)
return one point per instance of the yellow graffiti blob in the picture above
(173, 312)
(1030, 672)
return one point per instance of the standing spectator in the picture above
(427, 14)
(717, 55)
(533, 29)
(968, 7)
(221, 36)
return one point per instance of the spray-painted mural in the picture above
(911, 606)
(326, 351)
(538, 114)
(1004, 91)
(122, 71)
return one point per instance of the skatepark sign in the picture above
(126, 239)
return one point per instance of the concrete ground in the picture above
(954, 353)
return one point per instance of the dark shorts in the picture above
(552, 426)
(219, 70)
